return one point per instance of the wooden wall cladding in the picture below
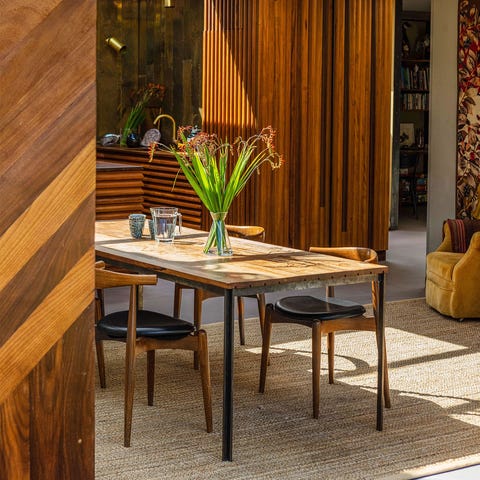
(119, 190)
(47, 177)
(163, 185)
(320, 74)
(163, 46)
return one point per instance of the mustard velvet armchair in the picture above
(452, 278)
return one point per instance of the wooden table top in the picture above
(255, 265)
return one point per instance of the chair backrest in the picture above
(110, 279)
(251, 232)
(105, 278)
(362, 254)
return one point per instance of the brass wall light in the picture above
(116, 45)
(169, 3)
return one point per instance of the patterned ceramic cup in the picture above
(136, 222)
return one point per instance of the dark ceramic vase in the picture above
(133, 140)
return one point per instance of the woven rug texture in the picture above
(433, 425)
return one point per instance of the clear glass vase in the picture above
(218, 241)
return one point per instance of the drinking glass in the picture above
(165, 223)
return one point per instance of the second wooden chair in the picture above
(324, 316)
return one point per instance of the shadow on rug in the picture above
(433, 424)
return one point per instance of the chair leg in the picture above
(140, 297)
(316, 353)
(150, 376)
(331, 356)
(205, 376)
(241, 323)
(177, 301)
(129, 390)
(267, 333)
(261, 310)
(197, 319)
(100, 363)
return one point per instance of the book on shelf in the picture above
(415, 77)
(414, 101)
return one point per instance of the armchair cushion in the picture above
(461, 231)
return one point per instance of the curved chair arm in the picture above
(362, 254)
(246, 231)
(446, 245)
(469, 265)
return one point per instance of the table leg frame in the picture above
(227, 438)
(381, 347)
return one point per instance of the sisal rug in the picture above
(433, 425)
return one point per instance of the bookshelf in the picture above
(412, 88)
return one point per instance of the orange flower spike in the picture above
(151, 150)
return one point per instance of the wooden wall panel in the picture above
(47, 182)
(277, 86)
(163, 185)
(119, 190)
(312, 170)
(350, 162)
(322, 78)
(229, 88)
(382, 51)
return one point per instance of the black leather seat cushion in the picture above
(149, 324)
(319, 308)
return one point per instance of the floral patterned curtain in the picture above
(468, 120)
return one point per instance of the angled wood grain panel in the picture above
(47, 180)
(15, 423)
(51, 399)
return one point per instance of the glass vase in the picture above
(218, 241)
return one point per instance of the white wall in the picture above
(443, 119)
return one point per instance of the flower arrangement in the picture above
(207, 163)
(136, 117)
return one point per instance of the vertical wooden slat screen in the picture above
(277, 84)
(228, 88)
(47, 182)
(351, 114)
(322, 78)
(382, 51)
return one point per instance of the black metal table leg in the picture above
(227, 438)
(381, 348)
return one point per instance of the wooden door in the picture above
(47, 181)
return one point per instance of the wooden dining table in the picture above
(254, 267)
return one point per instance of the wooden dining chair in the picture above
(240, 231)
(325, 316)
(144, 331)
